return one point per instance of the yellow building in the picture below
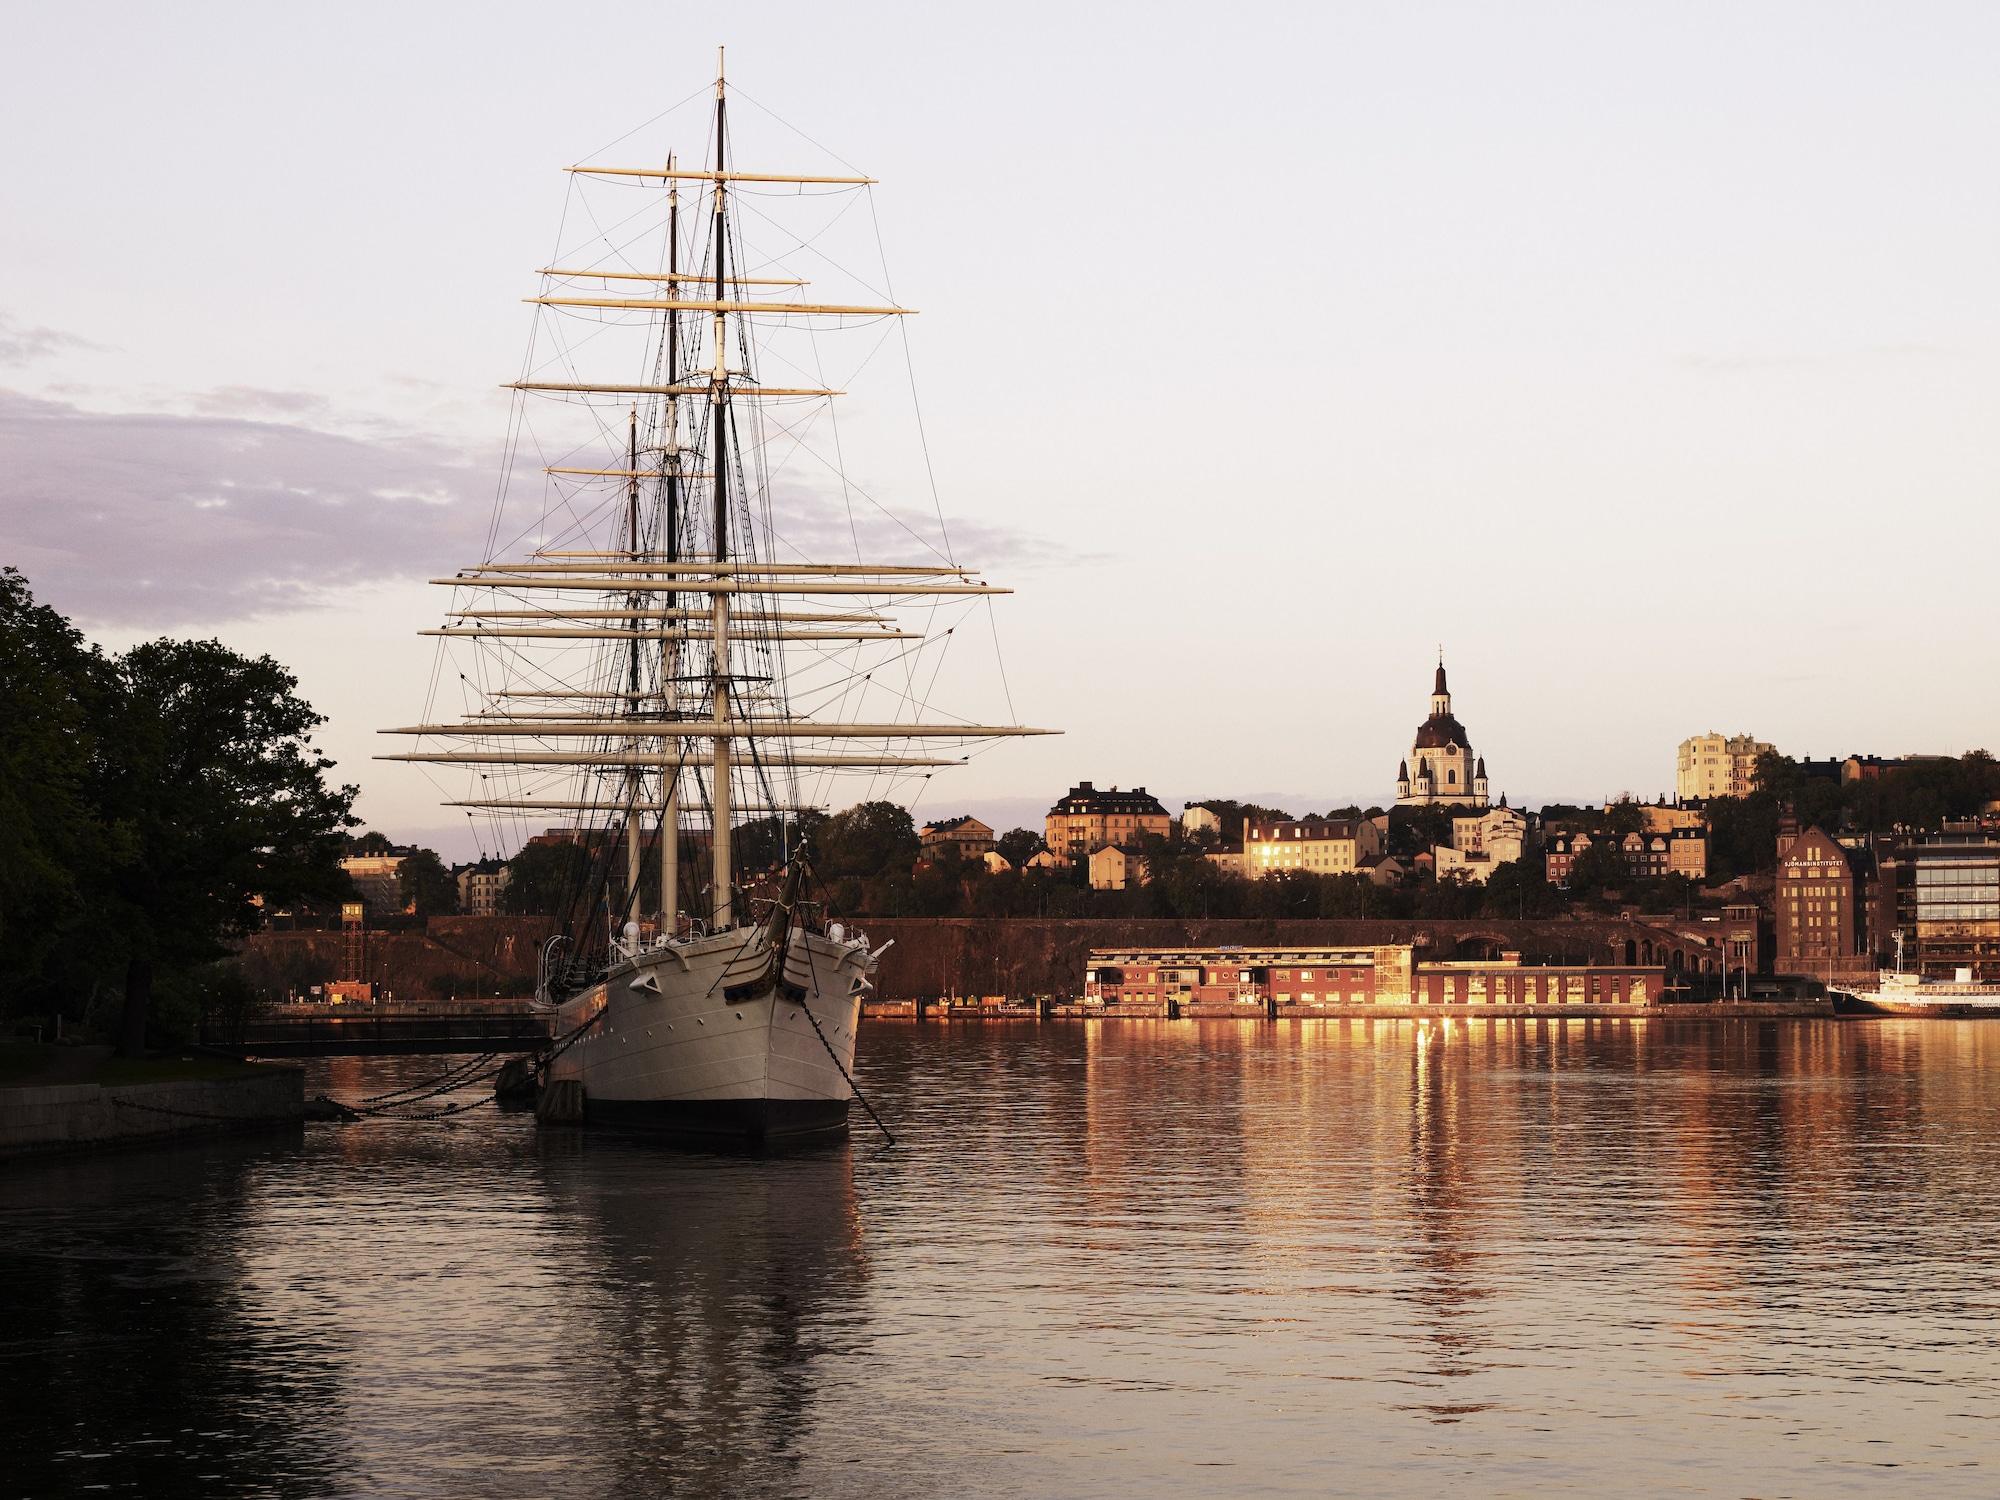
(1717, 765)
(1114, 869)
(1661, 817)
(1087, 817)
(1321, 846)
(1227, 858)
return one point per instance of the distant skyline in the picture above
(1644, 356)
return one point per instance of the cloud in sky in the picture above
(24, 343)
(159, 520)
(248, 506)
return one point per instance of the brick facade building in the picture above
(1816, 915)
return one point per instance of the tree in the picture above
(428, 888)
(1520, 889)
(1419, 829)
(543, 879)
(1600, 868)
(765, 843)
(1623, 817)
(220, 799)
(1018, 845)
(1235, 814)
(871, 839)
(369, 843)
(51, 688)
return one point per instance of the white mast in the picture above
(670, 774)
(721, 874)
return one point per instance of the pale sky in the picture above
(1644, 356)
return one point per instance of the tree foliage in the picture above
(543, 878)
(1018, 845)
(152, 807)
(428, 888)
(210, 776)
(51, 688)
(869, 840)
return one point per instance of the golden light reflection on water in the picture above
(1390, 1257)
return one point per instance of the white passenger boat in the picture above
(1896, 994)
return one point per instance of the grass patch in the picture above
(32, 1064)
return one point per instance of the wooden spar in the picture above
(592, 693)
(887, 587)
(672, 276)
(650, 760)
(714, 305)
(691, 174)
(620, 474)
(642, 562)
(554, 805)
(585, 387)
(780, 617)
(731, 729)
(596, 633)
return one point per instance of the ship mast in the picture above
(670, 774)
(659, 595)
(633, 677)
(719, 842)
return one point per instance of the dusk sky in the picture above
(1644, 357)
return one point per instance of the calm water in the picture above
(1206, 1258)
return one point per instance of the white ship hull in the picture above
(707, 1040)
(1907, 995)
(1957, 1007)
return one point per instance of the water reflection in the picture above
(1375, 1257)
(135, 1357)
(710, 1293)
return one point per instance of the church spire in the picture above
(1439, 690)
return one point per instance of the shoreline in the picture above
(1731, 1010)
(56, 1118)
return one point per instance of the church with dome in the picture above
(1441, 770)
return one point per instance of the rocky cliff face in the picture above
(449, 956)
(932, 957)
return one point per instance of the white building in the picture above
(1481, 843)
(479, 888)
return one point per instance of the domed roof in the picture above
(1442, 730)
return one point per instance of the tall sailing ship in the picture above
(665, 667)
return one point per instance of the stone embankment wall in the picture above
(74, 1116)
(450, 956)
(1019, 957)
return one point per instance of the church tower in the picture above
(1448, 774)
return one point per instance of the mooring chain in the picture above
(196, 1114)
(429, 1088)
(806, 1006)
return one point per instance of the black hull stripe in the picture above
(740, 1121)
